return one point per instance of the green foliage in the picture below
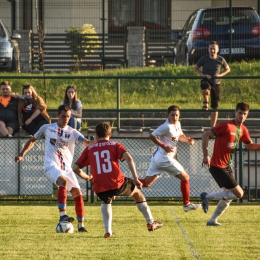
(82, 41)
(28, 232)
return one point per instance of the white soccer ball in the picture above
(64, 227)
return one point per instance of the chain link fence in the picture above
(26, 180)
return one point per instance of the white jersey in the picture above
(168, 134)
(59, 145)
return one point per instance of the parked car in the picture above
(9, 51)
(241, 33)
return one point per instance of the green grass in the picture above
(147, 93)
(28, 232)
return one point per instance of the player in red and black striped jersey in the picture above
(108, 180)
(227, 135)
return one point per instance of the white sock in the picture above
(63, 213)
(221, 195)
(221, 207)
(145, 209)
(106, 210)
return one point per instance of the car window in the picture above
(2, 34)
(189, 23)
(221, 17)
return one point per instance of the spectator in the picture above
(8, 111)
(211, 65)
(71, 100)
(32, 113)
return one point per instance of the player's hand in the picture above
(90, 178)
(191, 141)
(18, 158)
(138, 184)
(168, 149)
(206, 161)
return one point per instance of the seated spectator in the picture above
(71, 100)
(8, 111)
(32, 113)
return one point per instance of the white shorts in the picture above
(53, 173)
(163, 163)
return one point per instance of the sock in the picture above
(106, 210)
(143, 182)
(185, 190)
(79, 208)
(62, 200)
(221, 195)
(221, 207)
(145, 209)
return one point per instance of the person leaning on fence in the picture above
(8, 111)
(211, 65)
(32, 113)
(71, 100)
(227, 134)
(166, 137)
(59, 150)
(108, 180)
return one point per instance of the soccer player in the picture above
(108, 180)
(166, 137)
(59, 150)
(227, 134)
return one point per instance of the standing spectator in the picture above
(59, 150)
(32, 113)
(103, 158)
(227, 134)
(71, 100)
(166, 137)
(8, 111)
(211, 65)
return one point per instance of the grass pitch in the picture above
(28, 232)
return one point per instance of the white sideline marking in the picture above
(185, 235)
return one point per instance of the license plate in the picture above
(233, 51)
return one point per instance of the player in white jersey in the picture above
(59, 150)
(166, 136)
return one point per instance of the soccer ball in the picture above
(64, 227)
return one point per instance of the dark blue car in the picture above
(236, 30)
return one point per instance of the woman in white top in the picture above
(71, 100)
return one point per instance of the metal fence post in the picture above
(91, 183)
(240, 170)
(118, 104)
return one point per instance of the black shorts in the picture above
(214, 92)
(12, 124)
(125, 190)
(224, 177)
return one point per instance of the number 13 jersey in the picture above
(103, 158)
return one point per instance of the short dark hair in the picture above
(63, 108)
(5, 83)
(103, 129)
(243, 106)
(214, 42)
(173, 108)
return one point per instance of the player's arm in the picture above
(86, 142)
(205, 146)
(131, 165)
(224, 72)
(166, 148)
(253, 147)
(185, 139)
(28, 146)
(80, 173)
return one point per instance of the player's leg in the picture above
(185, 191)
(221, 207)
(153, 172)
(79, 208)
(3, 130)
(106, 210)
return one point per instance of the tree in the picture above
(83, 42)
